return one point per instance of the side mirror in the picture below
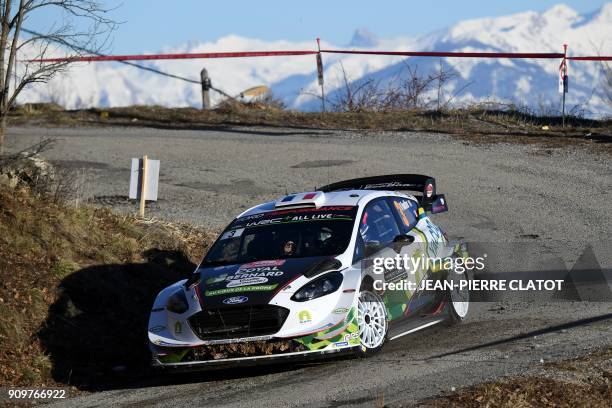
(401, 241)
(371, 248)
(194, 279)
(439, 204)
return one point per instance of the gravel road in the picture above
(555, 200)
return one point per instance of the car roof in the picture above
(316, 199)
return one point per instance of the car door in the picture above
(378, 229)
(417, 250)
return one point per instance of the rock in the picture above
(27, 169)
(9, 181)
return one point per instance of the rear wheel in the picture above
(372, 321)
(458, 298)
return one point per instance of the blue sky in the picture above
(149, 25)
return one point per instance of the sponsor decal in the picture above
(389, 185)
(436, 238)
(240, 289)
(253, 280)
(216, 279)
(178, 328)
(157, 329)
(251, 217)
(293, 215)
(258, 272)
(304, 316)
(311, 210)
(341, 344)
(235, 233)
(264, 222)
(234, 300)
(401, 213)
(300, 218)
(340, 310)
(252, 273)
(259, 264)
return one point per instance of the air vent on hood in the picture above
(325, 265)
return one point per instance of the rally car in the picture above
(297, 278)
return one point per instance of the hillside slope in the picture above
(76, 286)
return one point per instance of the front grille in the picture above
(238, 322)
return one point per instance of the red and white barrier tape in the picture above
(451, 54)
(96, 58)
(522, 55)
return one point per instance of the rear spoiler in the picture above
(425, 185)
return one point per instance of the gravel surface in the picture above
(557, 201)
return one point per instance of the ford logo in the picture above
(235, 300)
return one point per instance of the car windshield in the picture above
(282, 234)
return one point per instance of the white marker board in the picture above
(150, 184)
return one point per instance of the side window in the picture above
(407, 210)
(378, 225)
(359, 252)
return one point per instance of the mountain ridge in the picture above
(293, 79)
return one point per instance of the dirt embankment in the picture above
(76, 285)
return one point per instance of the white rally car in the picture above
(296, 278)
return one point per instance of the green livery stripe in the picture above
(352, 330)
(174, 357)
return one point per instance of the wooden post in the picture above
(206, 84)
(564, 80)
(320, 75)
(143, 182)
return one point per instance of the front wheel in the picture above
(372, 321)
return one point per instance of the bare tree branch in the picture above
(94, 37)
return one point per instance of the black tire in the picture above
(458, 301)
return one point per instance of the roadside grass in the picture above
(68, 278)
(511, 123)
(582, 382)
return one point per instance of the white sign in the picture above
(151, 182)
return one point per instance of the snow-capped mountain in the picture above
(293, 79)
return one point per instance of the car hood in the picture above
(253, 283)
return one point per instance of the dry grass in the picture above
(57, 264)
(484, 123)
(582, 382)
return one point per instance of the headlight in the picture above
(322, 286)
(177, 303)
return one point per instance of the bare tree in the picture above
(81, 25)
(407, 90)
(606, 82)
